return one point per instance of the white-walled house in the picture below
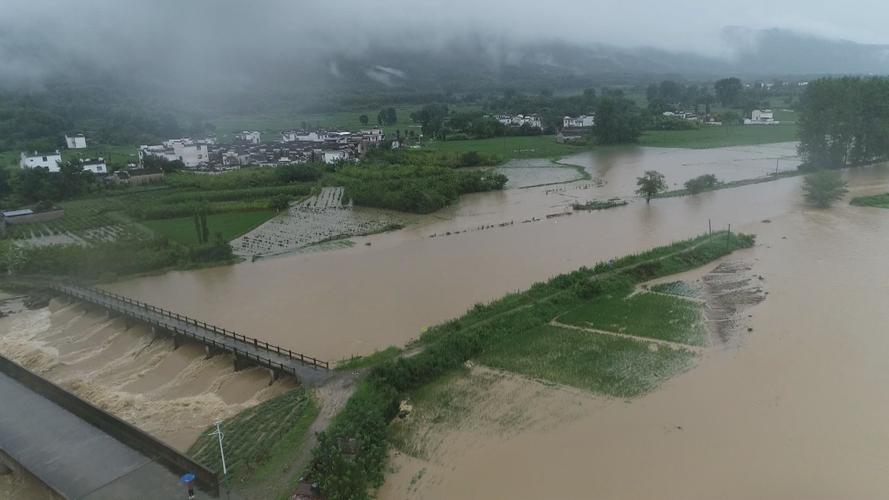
(249, 136)
(190, 152)
(374, 136)
(49, 161)
(300, 136)
(581, 121)
(532, 121)
(761, 117)
(334, 156)
(96, 166)
(77, 141)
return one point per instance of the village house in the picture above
(50, 161)
(531, 121)
(248, 136)
(192, 153)
(582, 121)
(761, 117)
(96, 166)
(77, 141)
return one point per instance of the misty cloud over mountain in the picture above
(209, 44)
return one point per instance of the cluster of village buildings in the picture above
(294, 146)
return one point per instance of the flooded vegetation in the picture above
(317, 219)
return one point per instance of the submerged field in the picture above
(508, 148)
(520, 334)
(707, 137)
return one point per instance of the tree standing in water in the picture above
(824, 187)
(650, 184)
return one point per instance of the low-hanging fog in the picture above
(213, 41)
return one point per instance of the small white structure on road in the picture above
(49, 161)
(77, 141)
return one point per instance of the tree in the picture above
(618, 120)
(824, 187)
(279, 202)
(387, 116)
(844, 121)
(700, 183)
(431, 118)
(364, 120)
(650, 184)
(728, 90)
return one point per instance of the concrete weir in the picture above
(245, 350)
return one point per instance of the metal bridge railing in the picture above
(94, 295)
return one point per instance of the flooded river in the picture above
(797, 411)
(355, 300)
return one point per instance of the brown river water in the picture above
(795, 407)
(356, 300)
(796, 411)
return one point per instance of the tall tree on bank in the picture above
(650, 184)
(844, 122)
(728, 90)
(618, 120)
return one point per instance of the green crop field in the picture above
(644, 315)
(229, 224)
(720, 136)
(599, 363)
(261, 441)
(507, 148)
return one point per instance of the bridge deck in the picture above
(307, 369)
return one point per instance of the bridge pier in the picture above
(273, 375)
(241, 363)
(209, 352)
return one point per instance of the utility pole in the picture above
(218, 433)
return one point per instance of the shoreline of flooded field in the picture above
(790, 410)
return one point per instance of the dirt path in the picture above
(660, 342)
(332, 397)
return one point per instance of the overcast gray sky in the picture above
(37, 34)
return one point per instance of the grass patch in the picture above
(644, 315)
(260, 441)
(230, 225)
(598, 363)
(508, 148)
(732, 184)
(374, 359)
(877, 201)
(599, 205)
(678, 288)
(711, 136)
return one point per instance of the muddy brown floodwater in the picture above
(797, 411)
(172, 394)
(355, 300)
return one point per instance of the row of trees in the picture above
(844, 122)
(32, 185)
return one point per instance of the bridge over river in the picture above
(246, 350)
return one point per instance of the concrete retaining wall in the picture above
(120, 430)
